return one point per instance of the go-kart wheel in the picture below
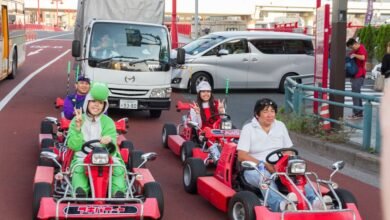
(193, 168)
(44, 161)
(186, 150)
(153, 190)
(242, 205)
(345, 197)
(135, 160)
(46, 127)
(168, 129)
(40, 190)
(47, 143)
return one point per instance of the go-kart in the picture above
(189, 140)
(228, 190)
(54, 198)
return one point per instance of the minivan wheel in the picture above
(196, 79)
(283, 80)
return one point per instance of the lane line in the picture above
(10, 95)
(34, 41)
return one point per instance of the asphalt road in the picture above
(21, 116)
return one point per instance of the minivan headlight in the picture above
(296, 167)
(161, 93)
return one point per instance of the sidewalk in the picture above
(359, 164)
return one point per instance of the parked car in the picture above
(249, 60)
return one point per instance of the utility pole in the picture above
(337, 55)
(196, 19)
(39, 14)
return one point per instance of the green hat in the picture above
(99, 91)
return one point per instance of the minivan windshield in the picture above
(202, 44)
(132, 47)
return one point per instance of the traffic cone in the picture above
(324, 113)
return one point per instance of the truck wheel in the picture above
(186, 150)
(41, 190)
(193, 168)
(46, 127)
(168, 129)
(155, 113)
(135, 160)
(345, 197)
(196, 79)
(242, 205)
(14, 65)
(153, 190)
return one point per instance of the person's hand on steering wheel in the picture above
(276, 155)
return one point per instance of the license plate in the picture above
(128, 104)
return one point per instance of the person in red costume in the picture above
(206, 106)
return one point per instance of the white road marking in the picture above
(10, 95)
(34, 41)
(34, 52)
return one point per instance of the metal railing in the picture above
(298, 94)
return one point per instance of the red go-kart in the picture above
(189, 140)
(228, 190)
(53, 197)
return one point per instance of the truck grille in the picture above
(129, 92)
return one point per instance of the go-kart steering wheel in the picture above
(279, 154)
(213, 119)
(88, 145)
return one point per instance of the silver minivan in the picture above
(248, 60)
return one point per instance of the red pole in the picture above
(173, 27)
(318, 3)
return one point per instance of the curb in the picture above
(349, 153)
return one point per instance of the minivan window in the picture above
(298, 47)
(236, 46)
(269, 46)
(202, 44)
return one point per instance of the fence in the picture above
(298, 94)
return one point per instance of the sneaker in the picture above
(355, 117)
(286, 204)
(80, 193)
(318, 205)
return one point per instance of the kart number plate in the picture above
(100, 210)
(128, 104)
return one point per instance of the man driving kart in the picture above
(91, 125)
(260, 137)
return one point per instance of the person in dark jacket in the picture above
(76, 100)
(385, 69)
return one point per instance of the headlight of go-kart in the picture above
(161, 93)
(226, 125)
(100, 158)
(296, 167)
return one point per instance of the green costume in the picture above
(91, 129)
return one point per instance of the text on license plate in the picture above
(128, 104)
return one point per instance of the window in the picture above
(294, 47)
(238, 46)
(269, 46)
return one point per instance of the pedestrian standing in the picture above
(385, 69)
(359, 53)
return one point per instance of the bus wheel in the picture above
(14, 66)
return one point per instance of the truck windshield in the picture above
(129, 44)
(202, 44)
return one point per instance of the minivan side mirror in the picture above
(181, 56)
(222, 52)
(76, 48)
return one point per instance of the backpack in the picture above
(351, 67)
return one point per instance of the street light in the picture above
(52, 2)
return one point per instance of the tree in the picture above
(383, 37)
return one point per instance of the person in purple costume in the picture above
(76, 100)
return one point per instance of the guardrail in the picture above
(296, 96)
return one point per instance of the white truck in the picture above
(124, 44)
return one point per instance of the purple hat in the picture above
(84, 78)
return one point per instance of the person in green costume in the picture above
(92, 125)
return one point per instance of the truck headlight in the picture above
(296, 167)
(100, 158)
(161, 93)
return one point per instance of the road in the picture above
(21, 118)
